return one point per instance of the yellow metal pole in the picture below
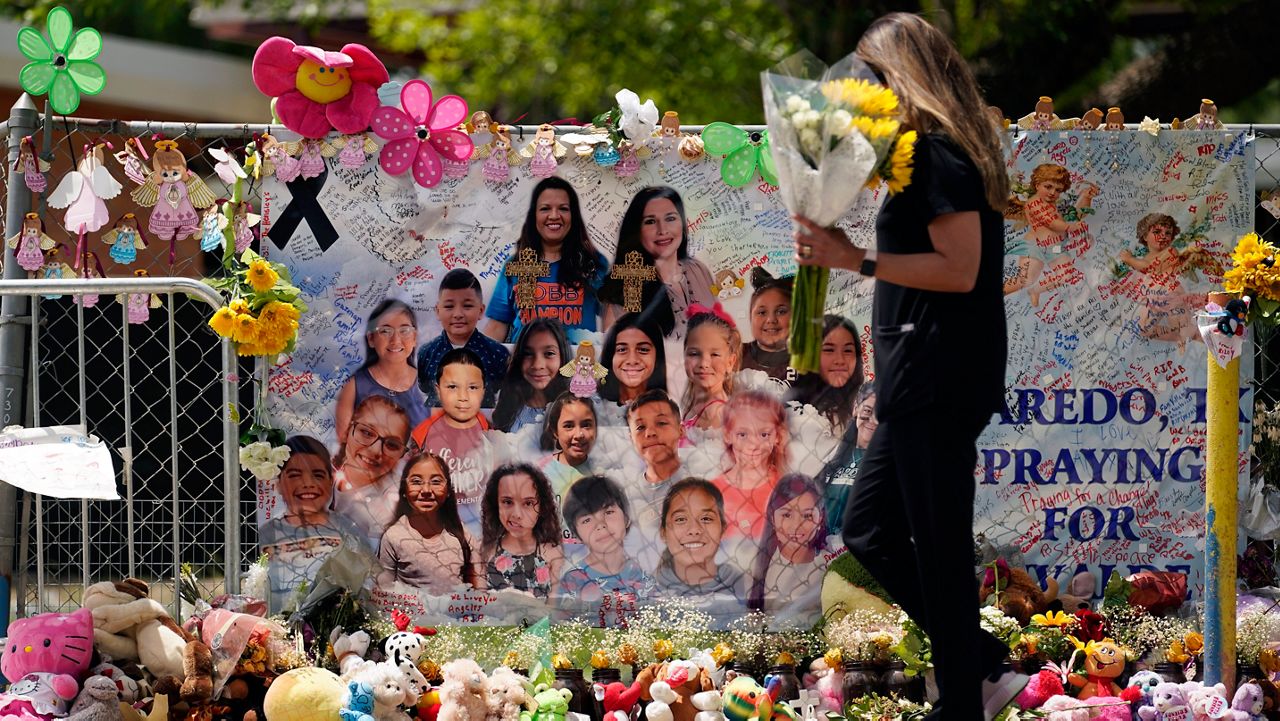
(1222, 412)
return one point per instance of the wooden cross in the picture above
(806, 704)
(633, 273)
(526, 269)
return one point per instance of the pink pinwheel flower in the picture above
(317, 90)
(420, 134)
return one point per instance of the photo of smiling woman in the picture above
(390, 347)
(367, 488)
(555, 231)
(655, 226)
(297, 542)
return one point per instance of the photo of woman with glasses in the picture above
(367, 489)
(390, 347)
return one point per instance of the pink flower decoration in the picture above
(503, 563)
(318, 90)
(542, 574)
(420, 134)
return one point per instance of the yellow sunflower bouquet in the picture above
(833, 131)
(262, 309)
(1255, 273)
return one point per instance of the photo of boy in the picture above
(455, 430)
(459, 308)
(597, 513)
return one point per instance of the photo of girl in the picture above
(840, 472)
(555, 230)
(635, 356)
(390, 347)
(597, 514)
(840, 374)
(455, 431)
(1047, 229)
(1169, 314)
(298, 542)
(711, 353)
(376, 440)
(521, 541)
(654, 224)
(770, 325)
(427, 546)
(533, 379)
(692, 526)
(570, 433)
(755, 450)
(787, 580)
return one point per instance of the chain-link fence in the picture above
(151, 390)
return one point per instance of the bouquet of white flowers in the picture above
(833, 131)
(263, 460)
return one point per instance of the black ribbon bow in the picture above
(304, 206)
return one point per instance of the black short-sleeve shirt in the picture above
(934, 348)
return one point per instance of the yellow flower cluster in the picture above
(269, 332)
(1182, 650)
(262, 277)
(1253, 268)
(862, 97)
(898, 174)
(875, 130)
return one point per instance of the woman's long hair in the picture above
(547, 528)
(610, 390)
(448, 512)
(654, 299)
(834, 403)
(515, 392)
(390, 305)
(937, 92)
(789, 488)
(578, 262)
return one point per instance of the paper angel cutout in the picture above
(1206, 119)
(276, 159)
(744, 152)
(421, 132)
(242, 227)
(1271, 204)
(31, 167)
(544, 152)
(138, 306)
(585, 373)
(354, 150)
(30, 244)
(89, 268)
(1091, 120)
(212, 223)
(314, 90)
(638, 121)
(1115, 119)
(132, 159)
(1043, 118)
(227, 168)
(499, 157)
(629, 159)
(83, 191)
(125, 239)
(55, 268)
(174, 193)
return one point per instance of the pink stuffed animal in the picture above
(1066, 708)
(1039, 689)
(1248, 703)
(52, 643)
(38, 697)
(827, 682)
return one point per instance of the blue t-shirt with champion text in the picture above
(575, 308)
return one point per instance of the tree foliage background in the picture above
(566, 58)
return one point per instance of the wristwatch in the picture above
(868, 267)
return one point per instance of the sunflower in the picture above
(261, 275)
(1052, 618)
(244, 328)
(862, 97)
(223, 321)
(900, 163)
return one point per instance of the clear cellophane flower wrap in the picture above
(833, 131)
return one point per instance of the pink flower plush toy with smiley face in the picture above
(315, 91)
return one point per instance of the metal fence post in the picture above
(23, 120)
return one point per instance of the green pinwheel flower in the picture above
(62, 66)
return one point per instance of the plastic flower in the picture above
(315, 90)
(223, 321)
(638, 121)
(261, 275)
(62, 66)
(420, 133)
(1052, 618)
(744, 152)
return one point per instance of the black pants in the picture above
(909, 521)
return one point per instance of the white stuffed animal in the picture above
(390, 691)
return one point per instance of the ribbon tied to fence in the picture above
(304, 206)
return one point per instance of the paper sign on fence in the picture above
(59, 461)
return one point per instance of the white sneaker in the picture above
(1000, 689)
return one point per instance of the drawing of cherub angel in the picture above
(31, 167)
(545, 152)
(138, 306)
(30, 244)
(1048, 221)
(125, 239)
(174, 193)
(585, 373)
(1166, 256)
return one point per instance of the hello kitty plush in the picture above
(54, 643)
(38, 697)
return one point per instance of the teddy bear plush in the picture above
(464, 692)
(827, 682)
(507, 695)
(359, 702)
(304, 694)
(1206, 702)
(99, 700)
(1019, 595)
(1247, 704)
(673, 684)
(1167, 702)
